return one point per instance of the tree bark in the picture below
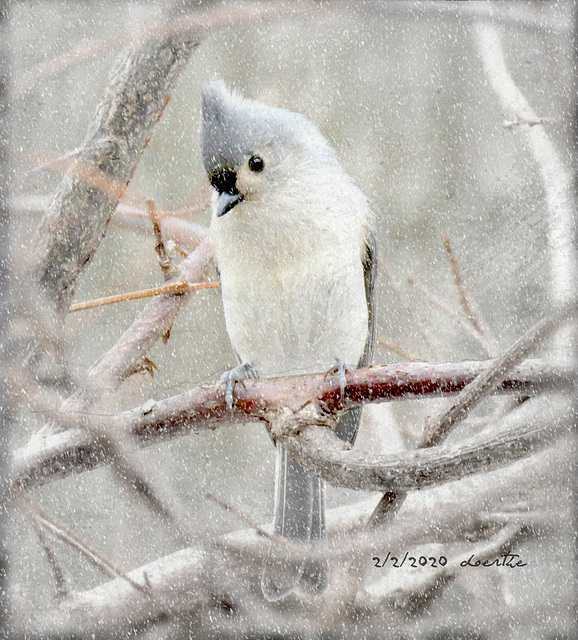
(78, 217)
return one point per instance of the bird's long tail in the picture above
(299, 516)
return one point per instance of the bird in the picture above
(294, 242)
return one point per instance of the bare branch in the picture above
(439, 428)
(252, 524)
(77, 219)
(181, 579)
(48, 458)
(398, 349)
(318, 449)
(556, 178)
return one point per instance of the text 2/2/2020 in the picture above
(412, 561)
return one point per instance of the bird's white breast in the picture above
(292, 281)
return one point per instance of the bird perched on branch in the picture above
(293, 241)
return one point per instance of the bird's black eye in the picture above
(256, 164)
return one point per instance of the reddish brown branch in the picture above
(204, 407)
(73, 451)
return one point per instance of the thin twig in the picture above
(99, 560)
(173, 288)
(410, 311)
(531, 122)
(163, 214)
(461, 322)
(25, 204)
(165, 262)
(252, 523)
(59, 579)
(473, 317)
(396, 348)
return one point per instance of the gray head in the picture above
(246, 144)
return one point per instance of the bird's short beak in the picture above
(227, 201)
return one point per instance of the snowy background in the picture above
(399, 90)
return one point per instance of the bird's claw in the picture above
(340, 368)
(230, 378)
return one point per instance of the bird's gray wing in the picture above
(349, 423)
(370, 277)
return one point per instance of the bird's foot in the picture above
(230, 378)
(341, 369)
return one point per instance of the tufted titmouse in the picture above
(292, 237)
